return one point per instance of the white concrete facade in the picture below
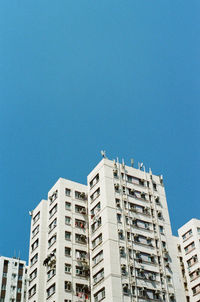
(120, 235)
(139, 260)
(13, 279)
(189, 236)
(61, 266)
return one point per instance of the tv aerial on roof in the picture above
(103, 153)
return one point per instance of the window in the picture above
(122, 251)
(119, 217)
(117, 201)
(80, 195)
(198, 230)
(34, 259)
(79, 238)
(53, 196)
(68, 268)
(68, 286)
(121, 235)
(115, 173)
(123, 270)
(142, 224)
(145, 257)
(196, 289)
(80, 223)
(33, 275)
(80, 271)
(32, 291)
(34, 245)
(67, 220)
(192, 260)
(187, 235)
(51, 290)
(68, 206)
(67, 251)
(52, 240)
(35, 231)
(53, 211)
(97, 241)
(50, 274)
(82, 291)
(67, 192)
(80, 209)
(154, 186)
(94, 181)
(80, 254)
(95, 194)
(96, 259)
(189, 248)
(116, 186)
(98, 276)
(161, 228)
(52, 225)
(131, 192)
(194, 275)
(67, 235)
(100, 295)
(36, 217)
(96, 225)
(95, 210)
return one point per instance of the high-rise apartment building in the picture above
(109, 241)
(13, 279)
(189, 251)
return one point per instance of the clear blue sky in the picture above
(80, 76)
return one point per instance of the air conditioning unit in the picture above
(165, 251)
(82, 195)
(83, 211)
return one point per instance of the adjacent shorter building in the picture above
(189, 253)
(59, 250)
(13, 280)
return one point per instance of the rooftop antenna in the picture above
(132, 162)
(140, 165)
(114, 161)
(30, 213)
(103, 153)
(19, 255)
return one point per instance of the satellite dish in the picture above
(31, 213)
